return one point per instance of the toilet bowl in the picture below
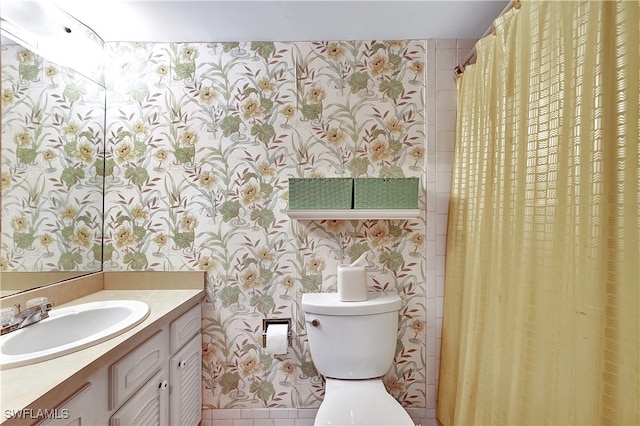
(352, 345)
(360, 402)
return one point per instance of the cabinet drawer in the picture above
(131, 372)
(185, 327)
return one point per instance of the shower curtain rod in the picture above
(472, 53)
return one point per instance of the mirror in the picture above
(52, 152)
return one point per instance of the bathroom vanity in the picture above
(150, 373)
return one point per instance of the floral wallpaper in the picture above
(200, 141)
(52, 162)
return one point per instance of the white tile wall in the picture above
(295, 417)
(259, 417)
(442, 57)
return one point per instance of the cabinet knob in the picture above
(164, 385)
(182, 363)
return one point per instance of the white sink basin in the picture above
(70, 329)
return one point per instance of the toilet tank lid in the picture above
(328, 304)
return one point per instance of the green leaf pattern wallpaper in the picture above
(200, 141)
(52, 162)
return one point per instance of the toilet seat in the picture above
(360, 402)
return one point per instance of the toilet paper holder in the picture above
(266, 322)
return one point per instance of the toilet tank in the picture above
(352, 340)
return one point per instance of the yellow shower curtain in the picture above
(541, 317)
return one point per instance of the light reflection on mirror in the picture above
(52, 151)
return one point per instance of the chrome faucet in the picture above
(37, 310)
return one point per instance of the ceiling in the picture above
(209, 21)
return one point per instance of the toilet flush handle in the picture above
(314, 322)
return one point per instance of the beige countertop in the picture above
(31, 386)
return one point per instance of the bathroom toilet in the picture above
(352, 345)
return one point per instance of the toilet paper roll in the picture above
(277, 339)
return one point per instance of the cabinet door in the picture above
(127, 375)
(185, 378)
(75, 410)
(148, 406)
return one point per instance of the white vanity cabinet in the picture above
(148, 406)
(138, 384)
(158, 382)
(134, 370)
(185, 370)
(75, 410)
(185, 378)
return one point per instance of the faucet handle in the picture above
(40, 302)
(9, 322)
(37, 301)
(6, 314)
